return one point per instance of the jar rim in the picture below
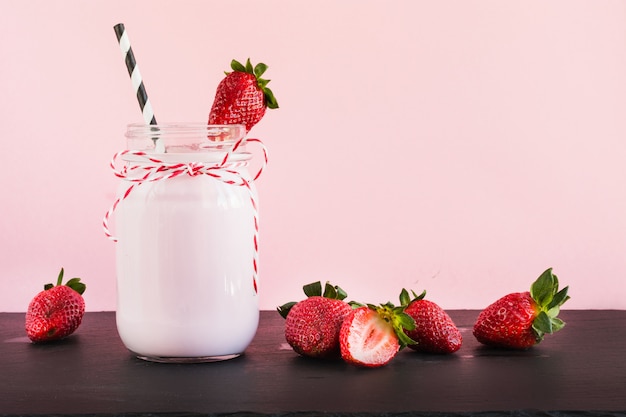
(184, 137)
(231, 132)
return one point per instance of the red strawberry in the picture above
(520, 320)
(372, 335)
(434, 332)
(57, 311)
(242, 96)
(312, 325)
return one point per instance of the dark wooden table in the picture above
(579, 371)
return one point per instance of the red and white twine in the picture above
(151, 169)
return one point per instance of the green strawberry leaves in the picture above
(258, 70)
(236, 66)
(399, 320)
(330, 291)
(545, 292)
(73, 283)
(334, 292)
(549, 299)
(315, 290)
(405, 298)
(285, 308)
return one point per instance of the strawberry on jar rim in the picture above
(57, 311)
(242, 96)
(521, 320)
(312, 325)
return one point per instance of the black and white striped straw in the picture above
(137, 81)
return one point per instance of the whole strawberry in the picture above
(520, 320)
(312, 325)
(371, 336)
(434, 332)
(57, 311)
(242, 96)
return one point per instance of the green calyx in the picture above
(549, 299)
(333, 292)
(257, 71)
(399, 320)
(405, 298)
(73, 283)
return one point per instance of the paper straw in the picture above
(137, 82)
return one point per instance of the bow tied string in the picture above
(145, 167)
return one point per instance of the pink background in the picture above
(456, 146)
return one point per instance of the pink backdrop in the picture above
(456, 146)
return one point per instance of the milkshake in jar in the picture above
(186, 225)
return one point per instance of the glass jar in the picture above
(186, 226)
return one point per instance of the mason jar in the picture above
(186, 230)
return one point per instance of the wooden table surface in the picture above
(578, 371)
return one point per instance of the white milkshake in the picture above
(186, 287)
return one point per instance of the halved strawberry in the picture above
(372, 335)
(312, 325)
